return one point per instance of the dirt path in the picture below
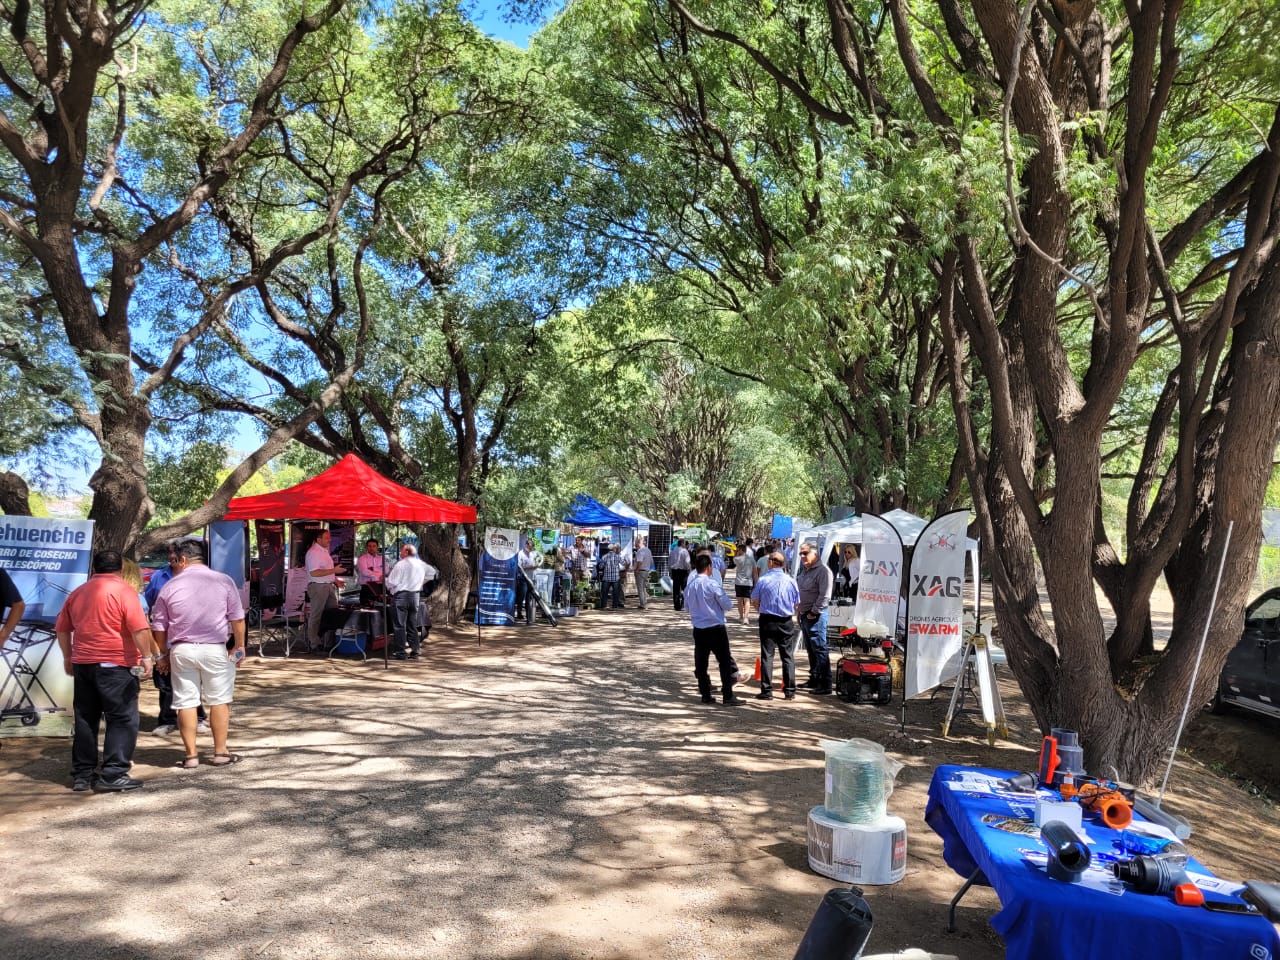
(551, 793)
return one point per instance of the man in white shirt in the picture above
(681, 564)
(322, 591)
(641, 564)
(404, 584)
(370, 568)
(526, 560)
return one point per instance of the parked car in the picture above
(1251, 677)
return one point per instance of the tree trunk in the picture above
(439, 547)
(121, 507)
(15, 497)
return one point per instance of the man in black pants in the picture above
(679, 569)
(707, 604)
(775, 595)
(103, 633)
(404, 584)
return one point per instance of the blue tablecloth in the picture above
(1041, 918)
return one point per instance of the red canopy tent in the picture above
(350, 490)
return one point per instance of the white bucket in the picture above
(871, 853)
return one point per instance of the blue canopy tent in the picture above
(587, 511)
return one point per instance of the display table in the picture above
(1042, 918)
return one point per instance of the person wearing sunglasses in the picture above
(814, 582)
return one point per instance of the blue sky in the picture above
(487, 15)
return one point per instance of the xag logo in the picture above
(1259, 952)
(927, 586)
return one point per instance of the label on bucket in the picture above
(828, 785)
(819, 843)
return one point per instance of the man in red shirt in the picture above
(103, 633)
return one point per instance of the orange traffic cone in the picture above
(756, 678)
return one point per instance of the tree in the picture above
(97, 221)
(786, 247)
(1147, 219)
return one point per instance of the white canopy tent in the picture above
(643, 523)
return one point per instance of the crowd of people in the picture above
(783, 604)
(185, 630)
(193, 634)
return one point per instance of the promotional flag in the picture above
(935, 601)
(875, 612)
(227, 549)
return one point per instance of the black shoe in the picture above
(734, 702)
(764, 695)
(708, 699)
(397, 656)
(117, 785)
(809, 684)
(413, 656)
(789, 696)
(83, 784)
(821, 691)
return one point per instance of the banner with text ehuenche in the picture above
(46, 559)
(496, 593)
(935, 601)
(879, 578)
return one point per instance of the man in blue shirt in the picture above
(776, 597)
(707, 603)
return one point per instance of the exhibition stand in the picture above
(349, 492)
(990, 838)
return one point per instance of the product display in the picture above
(873, 853)
(859, 779)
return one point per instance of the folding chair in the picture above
(282, 628)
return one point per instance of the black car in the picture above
(1251, 677)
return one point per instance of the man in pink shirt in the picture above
(370, 569)
(103, 633)
(192, 618)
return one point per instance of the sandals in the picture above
(188, 763)
(224, 759)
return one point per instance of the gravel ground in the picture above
(547, 793)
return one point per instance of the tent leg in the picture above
(386, 622)
(453, 546)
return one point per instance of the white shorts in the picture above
(200, 672)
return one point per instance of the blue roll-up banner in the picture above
(227, 549)
(496, 602)
(782, 527)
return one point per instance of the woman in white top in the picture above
(744, 572)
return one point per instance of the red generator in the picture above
(864, 681)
